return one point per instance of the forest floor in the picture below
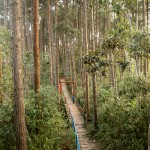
(86, 142)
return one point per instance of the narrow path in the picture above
(83, 141)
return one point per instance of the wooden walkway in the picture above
(83, 141)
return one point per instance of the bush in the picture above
(123, 125)
(132, 87)
(50, 126)
(45, 124)
(7, 134)
(80, 96)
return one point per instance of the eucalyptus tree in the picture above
(1, 94)
(49, 23)
(36, 46)
(19, 110)
(85, 37)
(56, 47)
(94, 73)
(1, 12)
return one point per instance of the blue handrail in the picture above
(77, 138)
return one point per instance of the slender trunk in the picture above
(70, 65)
(80, 25)
(19, 110)
(50, 41)
(137, 15)
(36, 47)
(41, 32)
(66, 39)
(94, 75)
(111, 72)
(67, 58)
(1, 92)
(57, 46)
(87, 102)
(137, 69)
(74, 69)
(5, 13)
(94, 101)
(144, 28)
(149, 129)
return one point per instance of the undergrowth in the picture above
(123, 116)
(50, 131)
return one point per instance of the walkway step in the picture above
(86, 142)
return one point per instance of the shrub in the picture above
(123, 125)
(45, 125)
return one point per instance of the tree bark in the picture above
(149, 130)
(50, 40)
(19, 110)
(57, 46)
(87, 103)
(137, 14)
(144, 28)
(5, 13)
(94, 101)
(1, 91)
(36, 47)
(94, 73)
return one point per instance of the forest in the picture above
(99, 50)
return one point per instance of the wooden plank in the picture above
(86, 143)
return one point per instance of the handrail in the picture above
(77, 138)
(74, 127)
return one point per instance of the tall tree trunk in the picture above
(1, 92)
(149, 129)
(80, 25)
(5, 13)
(137, 14)
(50, 41)
(67, 40)
(94, 101)
(41, 35)
(74, 69)
(87, 103)
(111, 72)
(19, 110)
(36, 47)
(94, 74)
(144, 28)
(148, 8)
(57, 46)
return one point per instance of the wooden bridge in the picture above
(83, 141)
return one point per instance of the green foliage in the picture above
(71, 32)
(45, 125)
(140, 44)
(5, 53)
(28, 59)
(80, 96)
(93, 61)
(123, 65)
(123, 125)
(132, 87)
(117, 37)
(7, 134)
(104, 95)
(51, 127)
(5, 40)
(45, 73)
